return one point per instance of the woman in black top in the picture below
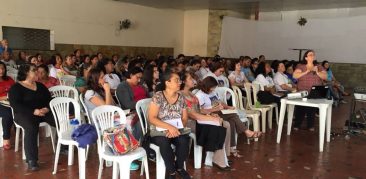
(30, 102)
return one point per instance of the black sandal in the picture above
(227, 168)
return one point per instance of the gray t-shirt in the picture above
(89, 105)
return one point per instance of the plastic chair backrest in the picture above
(195, 91)
(12, 75)
(85, 109)
(104, 117)
(67, 80)
(64, 91)
(141, 109)
(60, 107)
(115, 95)
(239, 97)
(256, 87)
(222, 91)
(248, 91)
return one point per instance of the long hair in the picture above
(206, 84)
(148, 76)
(93, 81)
(261, 69)
(303, 61)
(166, 77)
(5, 76)
(324, 62)
(23, 71)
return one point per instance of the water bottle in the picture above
(258, 104)
(74, 123)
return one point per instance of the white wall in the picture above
(337, 40)
(195, 32)
(312, 14)
(94, 22)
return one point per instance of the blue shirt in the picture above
(2, 49)
(248, 73)
(329, 75)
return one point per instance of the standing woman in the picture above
(307, 75)
(168, 105)
(30, 102)
(5, 112)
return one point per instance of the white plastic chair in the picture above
(256, 87)
(60, 110)
(64, 91)
(17, 131)
(115, 95)
(254, 115)
(67, 80)
(11, 70)
(85, 109)
(223, 92)
(263, 109)
(141, 109)
(13, 75)
(103, 117)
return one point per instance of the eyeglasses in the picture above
(176, 80)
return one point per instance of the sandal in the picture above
(236, 154)
(7, 146)
(255, 134)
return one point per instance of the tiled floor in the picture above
(296, 157)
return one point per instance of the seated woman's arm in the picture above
(214, 109)
(153, 112)
(100, 101)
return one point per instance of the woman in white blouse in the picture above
(268, 95)
(280, 79)
(237, 77)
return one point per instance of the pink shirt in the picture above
(51, 82)
(310, 79)
(138, 93)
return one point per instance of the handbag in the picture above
(120, 140)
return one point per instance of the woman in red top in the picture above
(307, 74)
(5, 111)
(44, 78)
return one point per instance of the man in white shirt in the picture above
(7, 60)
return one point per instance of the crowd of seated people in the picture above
(169, 82)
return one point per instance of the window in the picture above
(29, 39)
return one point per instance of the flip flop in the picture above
(255, 135)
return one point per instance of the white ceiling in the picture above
(248, 5)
